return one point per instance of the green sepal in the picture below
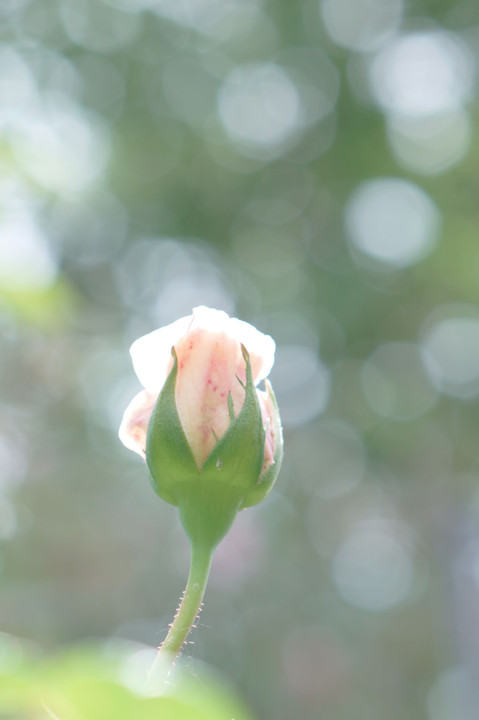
(209, 507)
(267, 478)
(237, 457)
(168, 454)
(208, 498)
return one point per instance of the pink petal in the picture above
(208, 365)
(135, 421)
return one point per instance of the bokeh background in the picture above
(310, 167)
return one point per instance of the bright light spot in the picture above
(373, 568)
(301, 383)
(396, 383)
(392, 221)
(453, 344)
(422, 73)
(362, 25)
(430, 144)
(53, 140)
(259, 107)
(448, 697)
(60, 147)
(26, 261)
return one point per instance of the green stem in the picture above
(188, 610)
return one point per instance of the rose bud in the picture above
(212, 440)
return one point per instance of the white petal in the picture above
(135, 421)
(210, 319)
(151, 354)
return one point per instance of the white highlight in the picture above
(259, 106)
(422, 73)
(453, 344)
(392, 221)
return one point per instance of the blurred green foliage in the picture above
(93, 683)
(310, 167)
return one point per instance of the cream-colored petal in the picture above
(259, 346)
(135, 421)
(151, 354)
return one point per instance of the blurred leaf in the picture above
(46, 308)
(84, 684)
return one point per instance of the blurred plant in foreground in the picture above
(91, 682)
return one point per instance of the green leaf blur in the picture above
(90, 683)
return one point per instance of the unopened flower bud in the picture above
(212, 440)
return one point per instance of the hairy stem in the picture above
(188, 609)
